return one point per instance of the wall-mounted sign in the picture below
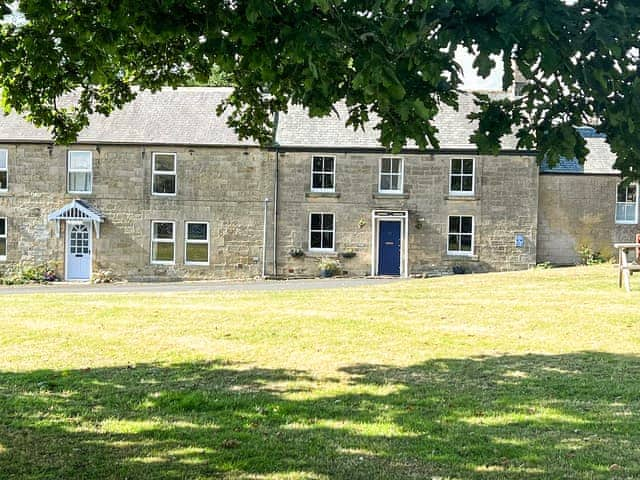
(519, 240)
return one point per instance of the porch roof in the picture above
(78, 210)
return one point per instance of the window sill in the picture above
(322, 194)
(390, 195)
(619, 222)
(462, 256)
(465, 198)
(321, 253)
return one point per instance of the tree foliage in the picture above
(394, 58)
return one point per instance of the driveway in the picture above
(200, 286)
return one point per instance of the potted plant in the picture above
(328, 267)
(296, 252)
(348, 253)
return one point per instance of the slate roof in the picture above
(187, 116)
(599, 161)
(297, 129)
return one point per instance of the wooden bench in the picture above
(626, 269)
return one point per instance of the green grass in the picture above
(499, 376)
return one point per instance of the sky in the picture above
(471, 81)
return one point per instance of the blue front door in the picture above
(389, 248)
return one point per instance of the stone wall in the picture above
(222, 186)
(504, 204)
(578, 210)
(226, 187)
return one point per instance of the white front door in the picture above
(78, 251)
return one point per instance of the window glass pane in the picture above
(631, 193)
(625, 212)
(456, 166)
(453, 244)
(317, 164)
(197, 231)
(164, 184)
(467, 184)
(328, 164)
(465, 243)
(163, 252)
(3, 226)
(327, 240)
(394, 182)
(386, 165)
(79, 160)
(163, 230)
(467, 166)
(164, 163)
(456, 184)
(385, 182)
(327, 180)
(317, 180)
(197, 252)
(3, 180)
(79, 181)
(622, 193)
(3, 247)
(316, 221)
(467, 224)
(395, 165)
(3, 159)
(316, 240)
(454, 224)
(327, 222)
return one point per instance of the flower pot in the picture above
(326, 273)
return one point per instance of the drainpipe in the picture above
(264, 239)
(275, 212)
(275, 193)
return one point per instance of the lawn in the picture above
(498, 376)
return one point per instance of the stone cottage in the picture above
(163, 189)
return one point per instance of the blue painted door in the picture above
(389, 248)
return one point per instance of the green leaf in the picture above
(421, 109)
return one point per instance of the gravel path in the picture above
(202, 286)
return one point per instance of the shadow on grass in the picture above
(511, 417)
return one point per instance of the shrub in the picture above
(589, 256)
(23, 273)
(103, 276)
(329, 266)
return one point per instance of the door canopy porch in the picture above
(77, 211)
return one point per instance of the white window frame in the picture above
(473, 236)
(333, 173)
(400, 190)
(6, 168)
(3, 258)
(79, 170)
(155, 172)
(163, 240)
(463, 193)
(635, 210)
(201, 242)
(333, 247)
